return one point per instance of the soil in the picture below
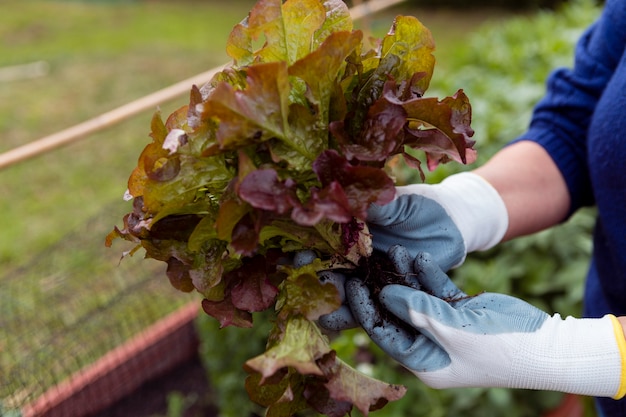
(378, 271)
(188, 380)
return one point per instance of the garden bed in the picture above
(129, 372)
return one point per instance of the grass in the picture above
(64, 299)
(100, 56)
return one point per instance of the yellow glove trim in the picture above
(621, 345)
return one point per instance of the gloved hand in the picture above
(490, 340)
(342, 318)
(462, 214)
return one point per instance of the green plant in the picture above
(284, 151)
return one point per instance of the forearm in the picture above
(531, 186)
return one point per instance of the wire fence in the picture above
(70, 321)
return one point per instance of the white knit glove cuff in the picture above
(578, 356)
(474, 206)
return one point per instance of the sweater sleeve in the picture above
(561, 120)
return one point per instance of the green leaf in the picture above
(410, 40)
(304, 295)
(300, 346)
(283, 398)
(288, 29)
(337, 20)
(331, 56)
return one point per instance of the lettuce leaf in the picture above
(284, 150)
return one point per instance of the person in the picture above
(572, 155)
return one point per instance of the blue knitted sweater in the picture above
(581, 122)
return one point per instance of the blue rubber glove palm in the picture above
(342, 318)
(462, 214)
(489, 340)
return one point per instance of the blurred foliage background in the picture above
(65, 299)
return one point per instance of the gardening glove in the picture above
(462, 214)
(491, 340)
(343, 319)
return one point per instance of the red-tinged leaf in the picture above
(308, 137)
(150, 154)
(130, 232)
(245, 165)
(337, 20)
(301, 345)
(176, 227)
(178, 274)
(194, 117)
(352, 233)
(346, 384)
(162, 180)
(263, 189)
(263, 17)
(254, 114)
(414, 163)
(158, 131)
(156, 162)
(137, 180)
(205, 232)
(245, 236)
(379, 137)
(208, 269)
(136, 227)
(164, 250)
(362, 185)
(254, 292)
(329, 203)
(226, 313)
(367, 92)
(177, 119)
(291, 236)
(321, 400)
(439, 127)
